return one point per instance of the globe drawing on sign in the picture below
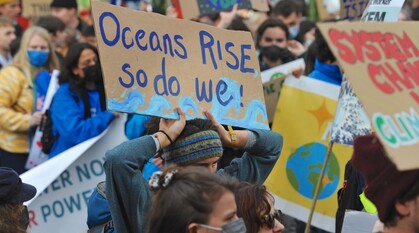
(303, 170)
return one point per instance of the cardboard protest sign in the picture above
(272, 89)
(194, 8)
(387, 55)
(352, 9)
(273, 79)
(153, 66)
(324, 13)
(383, 10)
(65, 183)
(304, 117)
(36, 8)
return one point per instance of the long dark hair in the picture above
(270, 23)
(253, 201)
(78, 85)
(189, 197)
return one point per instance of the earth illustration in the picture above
(304, 168)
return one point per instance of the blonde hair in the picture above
(21, 59)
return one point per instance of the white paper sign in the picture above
(65, 183)
(36, 156)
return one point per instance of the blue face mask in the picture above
(294, 31)
(38, 58)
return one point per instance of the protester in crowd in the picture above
(272, 40)
(98, 212)
(14, 216)
(196, 142)
(394, 193)
(256, 206)
(325, 66)
(66, 10)
(289, 12)
(193, 200)
(7, 35)
(55, 28)
(11, 9)
(78, 110)
(70, 38)
(306, 34)
(23, 87)
(88, 36)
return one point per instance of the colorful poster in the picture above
(273, 79)
(65, 183)
(194, 8)
(387, 56)
(304, 117)
(152, 67)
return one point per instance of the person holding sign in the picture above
(394, 193)
(28, 73)
(78, 110)
(195, 142)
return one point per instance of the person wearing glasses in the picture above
(256, 206)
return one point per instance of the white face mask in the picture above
(237, 226)
(307, 43)
(294, 31)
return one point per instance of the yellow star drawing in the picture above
(321, 114)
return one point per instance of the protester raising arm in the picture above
(262, 150)
(127, 191)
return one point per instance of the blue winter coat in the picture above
(326, 72)
(67, 114)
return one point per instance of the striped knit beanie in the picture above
(194, 148)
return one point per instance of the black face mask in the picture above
(24, 220)
(273, 53)
(92, 73)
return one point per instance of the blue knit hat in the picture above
(194, 148)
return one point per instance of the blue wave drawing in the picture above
(186, 103)
(131, 103)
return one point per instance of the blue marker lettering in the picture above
(203, 95)
(154, 38)
(102, 28)
(125, 68)
(236, 59)
(138, 36)
(124, 38)
(178, 39)
(245, 57)
(207, 45)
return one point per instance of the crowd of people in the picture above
(173, 175)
